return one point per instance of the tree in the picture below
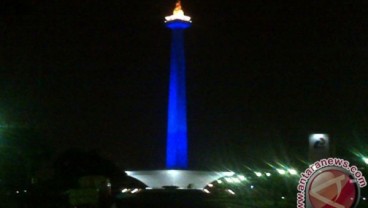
(75, 163)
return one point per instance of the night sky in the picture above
(261, 76)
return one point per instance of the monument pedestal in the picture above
(182, 179)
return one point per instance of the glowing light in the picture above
(124, 190)
(178, 14)
(316, 137)
(210, 185)
(229, 180)
(365, 159)
(242, 178)
(281, 171)
(149, 188)
(231, 191)
(282, 197)
(232, 180)
(251, 186)
(231, 173)
(258, 174)
(268, 174)
(219, 181)
(135, 191)
(319, 141)
(364, 198)
(207, 191)
(236, 180)
(293, 172)
(173, 173)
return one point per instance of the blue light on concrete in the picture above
(177, 147)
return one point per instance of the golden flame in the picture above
(178, 13)
(178, 10)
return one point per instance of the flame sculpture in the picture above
(178, 14)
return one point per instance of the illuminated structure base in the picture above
(182, 179)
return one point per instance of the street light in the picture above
(258, 174)
(365, 159)
(281, 171)
(293, 172)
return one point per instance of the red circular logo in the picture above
(333, 188)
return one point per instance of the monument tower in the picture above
(176, 173)
(177, 146)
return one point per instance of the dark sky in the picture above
(261, 76)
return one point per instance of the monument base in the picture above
(182, 179)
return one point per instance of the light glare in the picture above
(173, 173)
(229, 180)
(293, 172)
(281, 171)
(236, 180)
(207, 191)
(231, 173)
(231, 191)
(365, 159)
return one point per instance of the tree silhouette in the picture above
(75, 163)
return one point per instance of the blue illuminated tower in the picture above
(177, 146)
